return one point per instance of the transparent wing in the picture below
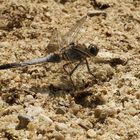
(71, 35)
(55, 41)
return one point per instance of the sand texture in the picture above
(39, 102)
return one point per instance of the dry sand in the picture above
(39, 103)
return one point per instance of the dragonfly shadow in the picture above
(88, 99)
(52, 89)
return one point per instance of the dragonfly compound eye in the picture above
(93, 49)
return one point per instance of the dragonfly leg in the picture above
(64, 67)
(75, 67)
(70, 74)
(88, 68)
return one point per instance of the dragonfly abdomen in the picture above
(54, 58)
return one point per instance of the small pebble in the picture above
(61, 126)
(86, 124)
(23, 121)
(46, 119)
(67, 137)
(58, 136)
(75, 109)
(91, 133)
(34, 111)
(61, 110)
(29, 97)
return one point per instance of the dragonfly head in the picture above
(93, 50)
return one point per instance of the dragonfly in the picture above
(65, 48)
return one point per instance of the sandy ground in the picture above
(39, 102)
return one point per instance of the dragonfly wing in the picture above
(55, 41)
(71, 35)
